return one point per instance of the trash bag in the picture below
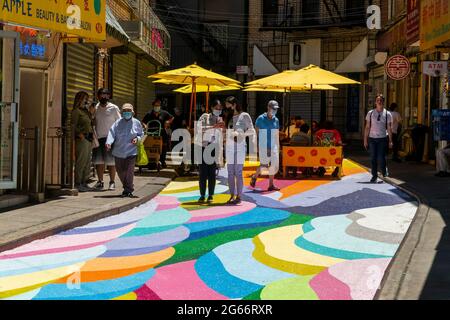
(142, 159)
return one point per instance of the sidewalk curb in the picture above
(394, 275)
(47, 230)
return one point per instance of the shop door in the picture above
(9, 104)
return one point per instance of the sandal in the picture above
(231, 201)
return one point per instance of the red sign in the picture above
(398, 67)
(157, 38)
(413, 22)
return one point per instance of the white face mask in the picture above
(217, 112)
(273, 112)
(157, 109)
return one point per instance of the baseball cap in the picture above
(273, 105)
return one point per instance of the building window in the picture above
(310, 12)
(270, 13)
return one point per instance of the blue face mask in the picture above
(217, 112)
(127, 115)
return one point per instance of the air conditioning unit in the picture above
(303, 53)
(134, 4)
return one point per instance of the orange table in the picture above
(312, 157)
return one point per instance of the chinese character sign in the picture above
(413, 21)
(84, 18)
(435, 23)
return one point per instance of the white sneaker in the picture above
(112, 186)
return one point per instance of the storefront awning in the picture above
(262, 66)
(114, 30)
(356, 61)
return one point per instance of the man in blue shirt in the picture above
(267, 127)
(125, 134)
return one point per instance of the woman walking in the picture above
(239, 125)
(207, 142)
(82, 130)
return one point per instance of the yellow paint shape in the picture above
(110, 268)
(277, 249)
(128, 296)
(302, 186)
(174, 186)
(14, 285)
(351, 168)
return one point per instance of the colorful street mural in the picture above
(313, 240)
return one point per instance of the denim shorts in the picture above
(101, 156)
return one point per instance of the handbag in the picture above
(95, 143)
(141, 159)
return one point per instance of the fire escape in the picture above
(179, 20)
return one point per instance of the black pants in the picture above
(378, 149)
(207, 175)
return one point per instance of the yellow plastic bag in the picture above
(142, 159)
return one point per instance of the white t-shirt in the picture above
(396, 119)
(105, 118)
(377, 121)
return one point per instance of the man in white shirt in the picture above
(396, 130)
(106, 114)
(377, 134)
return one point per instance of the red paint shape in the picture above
(314, 152)
(333, 152)
(301, 159)
(291, 153)
(145, 293)
(338, 161)
(323, 161)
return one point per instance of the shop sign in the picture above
(157, 38)
(83, 18)
(413, 22)
(242, 70)
(435, 23)
(398, 67)
(435, 68)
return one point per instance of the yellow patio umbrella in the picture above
(309, 77)
(194, 75)
(207, 89)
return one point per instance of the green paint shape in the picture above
(97, 6)
(290, 289)
(137, 232)
(254, 296)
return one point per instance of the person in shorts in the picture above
(267, 127)
(106, 114)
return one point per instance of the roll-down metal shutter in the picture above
(301, 105)
(145, 87)
(80, 71)
(124, 76)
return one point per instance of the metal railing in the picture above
(54, 138)
(29, 170)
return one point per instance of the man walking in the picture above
(377, 135)
(163, 117)
(267, 128)
(106, 114)
(125, 134)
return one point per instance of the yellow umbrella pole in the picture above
(207, 100)
(311, 115)
(195, 102)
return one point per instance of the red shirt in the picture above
(329, 137)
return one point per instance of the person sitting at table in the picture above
(301, 139)
(296, 123)
(328, 137)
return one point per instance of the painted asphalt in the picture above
(314, 239)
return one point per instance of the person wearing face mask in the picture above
(207, 137)
(164, 118)
(83, 133)
(125, 133)
(106, 114)
(239, 126)
(267, 127)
